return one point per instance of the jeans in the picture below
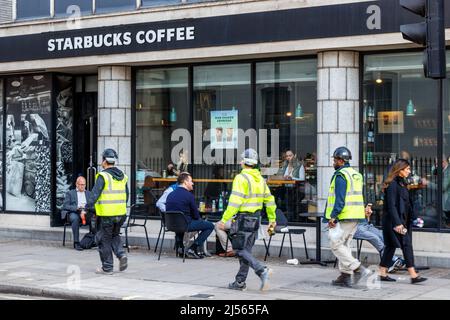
(246, 260)
(109, 241)
(367, 231)
(75, 220)
(205, 228)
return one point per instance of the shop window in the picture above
(70, 7)
(28, 9)
(114, 5)
(1, 144)
(162, 106)
(286, 100)
(400, 121)
(223, 113)
(446, 151)
(155, 3)
(28, 143)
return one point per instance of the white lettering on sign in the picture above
(121, 39)
(374, 20)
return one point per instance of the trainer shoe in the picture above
(103, 272)
(395, 266)
(123, 263)
(241, 286)
(264, 276)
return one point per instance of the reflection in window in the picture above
(400, 121)
(286, 99)
(446, 152)
(161, 108)
(70, 7)
(114, 5)
(27, 9)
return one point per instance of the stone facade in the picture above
(114, 113)
(337, 113)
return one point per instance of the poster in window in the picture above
(28, 161)
(390, 122)
(224, 129)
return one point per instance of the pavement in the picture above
(49, 270)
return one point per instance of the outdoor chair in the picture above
(139, 214)
(282, 227)
(175, 221)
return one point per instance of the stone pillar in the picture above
(114, 113)
(337, 113)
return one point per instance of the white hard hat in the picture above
(250, 157)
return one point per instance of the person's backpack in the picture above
(88, 241)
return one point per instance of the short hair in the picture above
(183, 177)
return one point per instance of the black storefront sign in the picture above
(373, 17)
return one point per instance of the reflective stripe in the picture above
(239, 194)
(355, 193)
(252, 205)
(259, 195)
(112, 192)
(111, 201)
(108, 176)
(249, 184)
(354, 203)
(234, 205)
(272, 203)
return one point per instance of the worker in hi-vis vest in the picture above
(248, 196)
(110, 198)
(345, 208)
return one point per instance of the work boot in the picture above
(344, 280)
(264, 276)
(237, 286)
(360, 273)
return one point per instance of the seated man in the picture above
(367, 231)
(223, 236)
(161, 203)
(75, 204)
(181, 199)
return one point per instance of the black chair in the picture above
(282, 227)
(163, 226)
(175, 221)
(141, 213)
(67, 223)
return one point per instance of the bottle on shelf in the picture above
(221, 202)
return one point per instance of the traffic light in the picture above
(430, 34)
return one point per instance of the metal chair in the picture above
(137, 212)
(175, 221)
(282, 227)
(67, 223)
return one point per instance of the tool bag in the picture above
(242, 224)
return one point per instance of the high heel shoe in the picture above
(418, 279)
(387, 278)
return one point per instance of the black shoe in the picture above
(192, 254)
(387, 279)
(418, 279)
(123, 263)
(77, 246)
(344, 280)
(241, 286)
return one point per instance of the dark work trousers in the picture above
(75, 220)
(408, 254)
(246, 260)
(109, 241)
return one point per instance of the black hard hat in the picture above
(342, 153)
(110, 155)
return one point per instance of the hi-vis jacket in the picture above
(354, 200)
(113, 199)
(249, 193)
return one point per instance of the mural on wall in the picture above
(28, 161)
(64, 134)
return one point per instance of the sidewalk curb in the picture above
(51, 293)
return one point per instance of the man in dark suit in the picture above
(75, 205)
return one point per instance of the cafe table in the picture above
(318, 258)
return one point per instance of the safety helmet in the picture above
(342, 153)
(110, 156)
(250, 157)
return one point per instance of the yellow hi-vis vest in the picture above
(113, 199)
(247, 195)
(354, 200)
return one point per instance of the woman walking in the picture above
(397, 221)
